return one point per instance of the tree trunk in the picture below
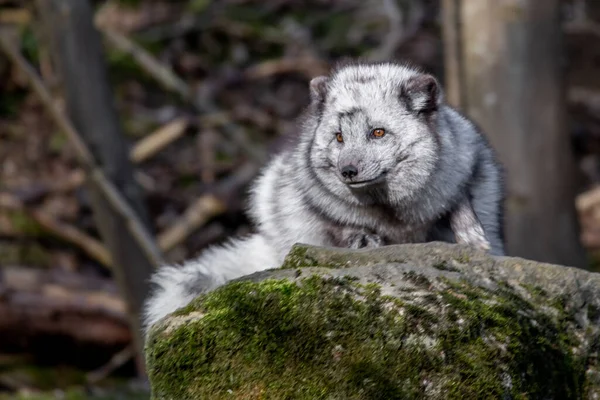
(505, 59)
(77, 52)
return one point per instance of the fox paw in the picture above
(362, 240)
(473, 236)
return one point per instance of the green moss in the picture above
(298, 258)
(534, 290)
(248, 341)
(504, 329)
(334, 338)
(301, 256)
(443, 266)
(420, 316)
(418, 280)
(463, 258)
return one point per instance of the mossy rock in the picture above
(433, 320)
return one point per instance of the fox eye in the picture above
(339, 137)
(378, 132)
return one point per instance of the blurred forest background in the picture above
(130, 130)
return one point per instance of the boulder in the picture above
(433, 320)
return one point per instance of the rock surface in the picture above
(430, 320)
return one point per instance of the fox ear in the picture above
(318, 88)
(423, 93)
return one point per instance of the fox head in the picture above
(374, 131)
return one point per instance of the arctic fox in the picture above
(379, 159)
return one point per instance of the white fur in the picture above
(433, 163)
(215, 266)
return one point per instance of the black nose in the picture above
(349, 171)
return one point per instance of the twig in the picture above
(171, 81)
(195, 216)
(234, 182)
(38, 190)
(182, 26)
(207, 207)
(233, 131)
(92, 247)
(82, 152)
(75, 179)
(307, 66)
(69, 233)
(115, 362)
(120, 17)
(136, 229)
(159, 139)
(150, 64)
(84, 155)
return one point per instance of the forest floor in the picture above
(248, 64)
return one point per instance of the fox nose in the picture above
(349, 171)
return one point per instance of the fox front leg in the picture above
(363, 240)
(356, 238)
(467, 228)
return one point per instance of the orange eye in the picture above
(378, 132)
(339, 137)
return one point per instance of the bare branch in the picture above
(195, 216)
(114, 363)
(159, 139)
(69, 233)
(163, 74)
(150, 64)
(83, 153)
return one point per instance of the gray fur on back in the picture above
(432, 176)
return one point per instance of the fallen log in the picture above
(41, 306)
